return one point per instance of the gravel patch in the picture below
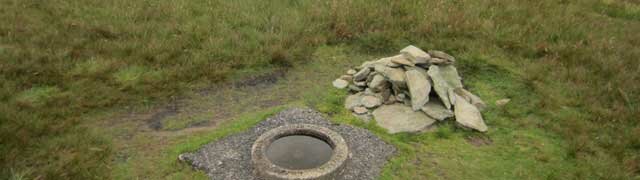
(230, 157)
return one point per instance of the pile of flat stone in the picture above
(411, 91)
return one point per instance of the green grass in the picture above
(570, 68)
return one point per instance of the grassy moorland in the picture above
(69, 69)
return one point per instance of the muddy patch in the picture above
(218, 100)
(155, 121)
(264, 79)
(479, 140)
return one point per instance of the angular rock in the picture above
(403, 61)
(353, 101)
(415, 54)
(385, 94)
(407, 102)
(362, 74)
(368, 91)
(360, 110)
(452, 96)
(371, 75)
(360, 83)
(340, 83)
(390, 100)
(445, 78)
(368, 64)
(502, 102)
(419, 87)
(391, 60)
(468, 115)
(400, 97)
(450, 75)
(473, 99)
(395, 75)
(395, 89)
(346, 78)
(371, 101)
(442, 90)
(442, 55)
(400, 118)
(353, 87)
(383, 61)
(439, 61)
(436, 110)
(378, 83)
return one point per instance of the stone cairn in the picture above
(411, 91)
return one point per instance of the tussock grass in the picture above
(62, 61)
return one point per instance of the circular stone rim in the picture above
(263, 167)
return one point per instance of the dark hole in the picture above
(299, 152)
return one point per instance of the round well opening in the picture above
(299, 152)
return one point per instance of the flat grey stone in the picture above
(351, 71)
(390, 100)
(401, 96)
(370, 76)
(438, 61)
(400, 118)
(347, 78)
(368, 64)
(468, 115)
(435, 109)
(395, 75)
(415, 54)
(353, 101)
(452, 96)
(502, 102)
(360, 110)
(340, 83)
(389, 61)
(472, 98)
(445, 78)
(354, 87)
(368, 91)
(419, 87)
(450, 75)
(382, 61)
(362, 74)
(230, 157)
(371, 101)
(385, 94)
(378, 83)
(442, 55)
(403, 61)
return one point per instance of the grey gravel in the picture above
(230, 157)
